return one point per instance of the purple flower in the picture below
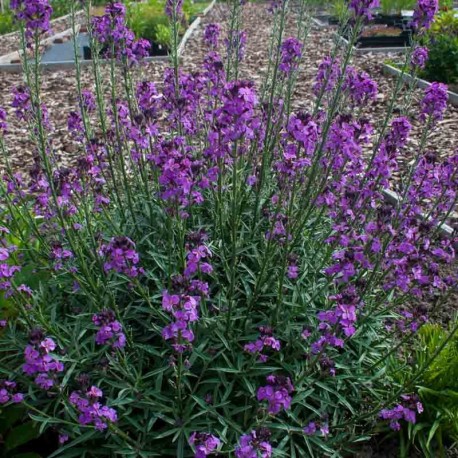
(3, 123)
(88, 100)
(120, 256)
(276, 393)
(39, 362)
(291, 52)
(327, 76)
(110, 330)
(174, 9)
(255, 445)
(424, 13)
(63, 438)
(419, 57)
(35, 14)
(406, 410)
(8, 392)
(91, 410)
(310, 429)
(360, 88)
(266, 340)
(117, 40)
(434, 102)
(363, 8)
(204, 443)
(211, 35)
(236, 44)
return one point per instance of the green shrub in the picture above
(6, 23)
(438, 391)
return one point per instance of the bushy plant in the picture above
(6, 23)
(438, 390)
(224, 273)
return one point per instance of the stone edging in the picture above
(390, 70)
(371, 50)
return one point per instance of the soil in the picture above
(381, 31)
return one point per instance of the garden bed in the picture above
(390, 70)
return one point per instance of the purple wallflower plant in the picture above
(204, 444)
(36, 15)
(406, 410)
(8, 392)
(363, 8)
(120, 255)
(424, 13)
(40, 362)
(266, 340)
(276, 393)
(211, 35)
(434, 101)
(110, 330)
(254, 445)
(291, 52)
(91, 410)
(419, 57)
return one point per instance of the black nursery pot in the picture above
(155, 50)
(385, 42)
(389, 19)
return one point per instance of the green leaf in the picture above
(21, 435)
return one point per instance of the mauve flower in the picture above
(363, 8)
(276, 393)
(174, 8)
(291, 52)
(211, 35)
(419, 57)
(424, 13)
(406, 410)
(110, 330)
(35, 14)
(254, 445)
(91, 411)
(204, 443)
(434, 102)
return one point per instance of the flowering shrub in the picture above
(224, 275)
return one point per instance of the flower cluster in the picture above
(204, 443)
(254, 445)
(419, 57)
(183, 305)
(211, 35)
(120, 255)
(110, 330)
(40, 362)
(91, 410)
(276, 393)
(434, 102)
(361, 89)
(424, 13)
(266, 340)
(313, 427)
(291, 52)
(236, 44)
(7, 270)
(363, 8)
(327, 76)
(111, 32)
(407, 410)
(174, 9)
(36, 15)
(8, 392)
